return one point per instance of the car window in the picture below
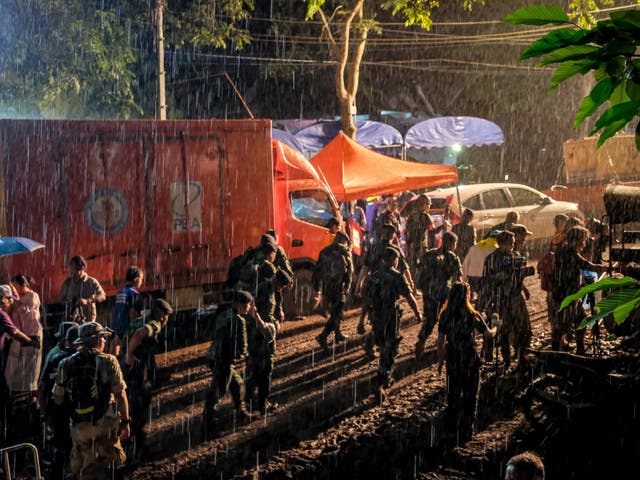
(494, 199)
(473, 203)
(522, 197)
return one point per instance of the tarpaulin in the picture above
(370, 134)
(443, 132)
(353, 171)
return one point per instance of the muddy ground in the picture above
(328, 425)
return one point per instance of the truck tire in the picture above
(298, 301)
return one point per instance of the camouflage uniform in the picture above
(383, 289)
(438, 269)
(504, 296)
(229, 344)
(332, 276)
(261, 349)
(139, 377)
(282, 262)
(95, 443)
(466, 238)
(418, 224)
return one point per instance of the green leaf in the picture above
(619, 94)
(568, 69)
(638, 136)
(600, 94)
(621, 111)
(627, 20)
(572, 52)
(600, 285)
(621, 313)
(633, 90)
(553, 41)
(537, 15)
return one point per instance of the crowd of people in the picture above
(94, 387)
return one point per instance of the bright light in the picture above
(456, 147)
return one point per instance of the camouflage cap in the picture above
(63, 328)
(91, 329)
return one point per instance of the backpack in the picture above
(87, 395)
(243, 271)
(545, 271)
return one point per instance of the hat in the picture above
(91, 329)
(7, 292)
(78, 262)
(162, 305)
(267, 238)
(72, 334)
(342, 237)
(63, 328)
(268, 245)
(519, 228)
(283, 277)
(504, 236)
(241, 296)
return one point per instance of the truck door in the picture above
(102, 190)
(185, 182)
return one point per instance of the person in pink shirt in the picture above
(23, 363)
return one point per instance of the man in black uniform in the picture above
(384, 288)
(261, 335)
(439, 268)
(504, 293)
(139, 367)
(57, 442)
(229, 344)
(332, 278)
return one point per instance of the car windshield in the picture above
(312, 206)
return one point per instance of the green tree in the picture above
(345, 29)
(89, 59)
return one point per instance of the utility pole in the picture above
(162, 104)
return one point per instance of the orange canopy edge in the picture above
(353, 171)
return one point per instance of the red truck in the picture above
(589, 170)
(178, 198)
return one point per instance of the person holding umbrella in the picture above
(7, 298)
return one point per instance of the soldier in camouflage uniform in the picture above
(332, 278)
(388, 239)
(383, 289)
(438, 269)
(262, 327)
(282, 262)
(420, 232)
(229, 344)
(141, 341)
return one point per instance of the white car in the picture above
(490, 203)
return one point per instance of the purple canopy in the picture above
(369, 134)
(448, 131)
(289, 139)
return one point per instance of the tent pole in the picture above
(458, 190)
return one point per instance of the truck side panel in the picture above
(178, 198)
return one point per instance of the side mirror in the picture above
(546, 201)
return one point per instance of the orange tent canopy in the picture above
(353, 171)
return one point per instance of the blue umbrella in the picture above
(13, 245)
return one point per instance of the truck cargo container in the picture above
(178, 198)
(588, 170)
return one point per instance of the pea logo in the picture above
(107, 211)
